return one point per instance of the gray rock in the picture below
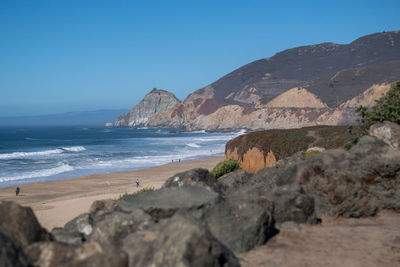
(20, 224)
(354, 183)
(100, 207)
(239, 227)
(68, 237)
(113, 227)
(89, 254)
(177, 241)
(154, 102)
(194, 177)
(11, 255)
(235, 179)
(285, 202)
(82, 224)
(165, 202)
(388, 132)
(291, 203)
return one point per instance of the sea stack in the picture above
(155, 101)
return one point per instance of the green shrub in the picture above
(386, 109)
(311, 153)
(122, 195)
(144, 189)
(225, 167)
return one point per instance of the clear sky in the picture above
(59, 56)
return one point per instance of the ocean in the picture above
(38, 154)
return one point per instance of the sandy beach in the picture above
(57, 202)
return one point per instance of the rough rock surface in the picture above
(352, 183)
(240, 226)
(53, 254)
(154, 102)
(113, 227)
(11, 255)
(177, 241)
(100, 207)
(194, 177)
(388, 132)
(165, 202)
(20, 224)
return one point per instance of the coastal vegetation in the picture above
(285, 142)
(387, 108)
(225, 167)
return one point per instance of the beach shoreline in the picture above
(57, 202)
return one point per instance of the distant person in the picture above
(17, 190)
(137, 182)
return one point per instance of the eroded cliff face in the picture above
(252, 160)
(293, 109)
(154, 102)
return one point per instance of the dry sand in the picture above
(57, 202)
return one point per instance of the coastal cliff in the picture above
(155, 101)
(257, 150)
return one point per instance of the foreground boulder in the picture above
(352, 183)
(240, 227)
(113, 227)
(11, 255)
(165, 202)
(20, 224)
(177, 241)
(194, 177)
(53, 254)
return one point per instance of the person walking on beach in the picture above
(17, 190)
(137, 182)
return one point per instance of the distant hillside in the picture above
(267, 78)
(87, 118)
(318, 84)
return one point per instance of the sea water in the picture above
(37, 154)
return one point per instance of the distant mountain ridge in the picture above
(82, 118)
(303, 86)
(298, 67)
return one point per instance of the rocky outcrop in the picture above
(27, 230)
(154, 102)
(11, 254)
(388, 132)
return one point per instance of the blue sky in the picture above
(59, 56)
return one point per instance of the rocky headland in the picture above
(198, 220)
(155, 101)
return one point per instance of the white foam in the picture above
(15, 155)
(39, 173)
(74, 148)
(193, 145)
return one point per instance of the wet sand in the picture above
(57, 202)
